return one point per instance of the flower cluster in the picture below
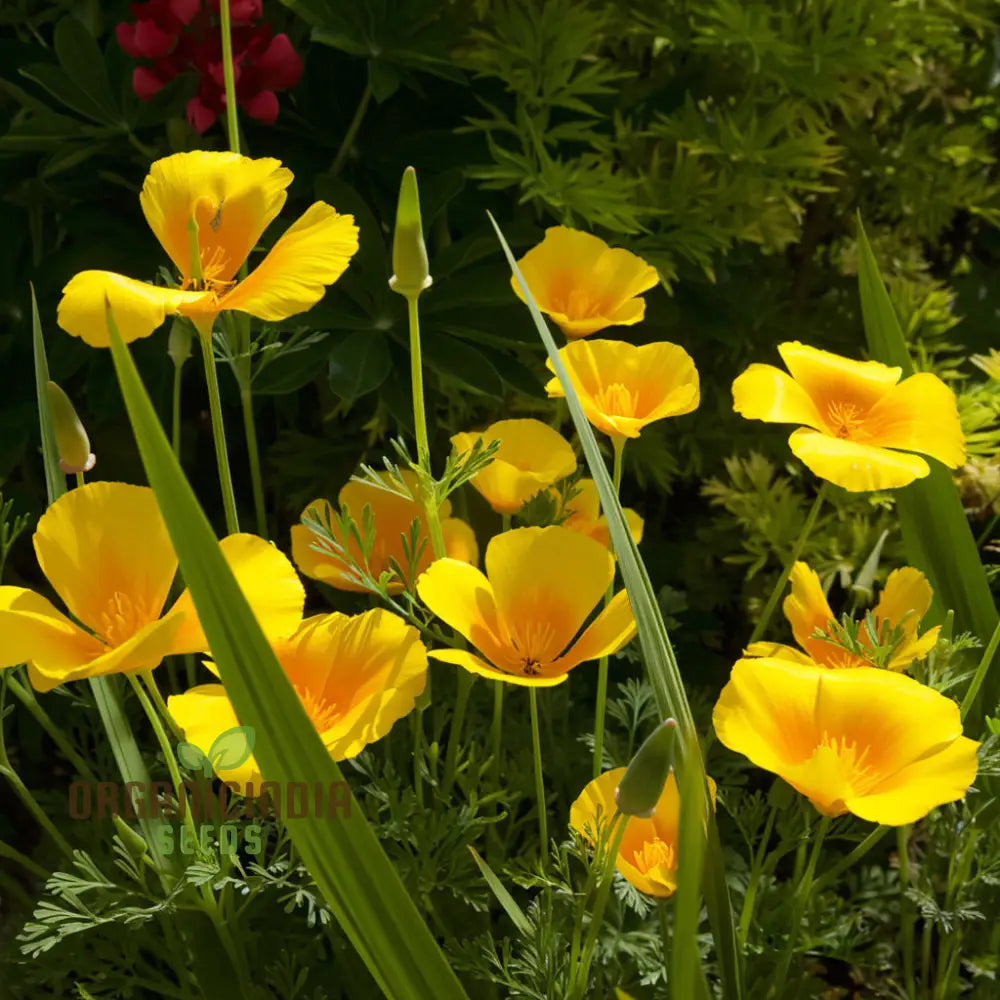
(172, 37)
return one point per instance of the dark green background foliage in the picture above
(730, 143)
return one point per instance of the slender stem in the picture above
(581, 973)
(27, 698)
(175, 423)
(799, 905)
(229, 77)
(987, 531)
(753, 883)
(352, 130)
(417, 724)
(600, 708)
(253, 451)
(496, 728)
(779, 585)
(154, 692)
(219, 432)
(417, 382)
(12, 854)
(981, 671)
(906, 915)
(465, 683)
(536, 747)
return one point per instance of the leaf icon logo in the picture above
(192, 758)
(229, 750)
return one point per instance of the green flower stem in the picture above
(906, 914)
(219, 432)
(465, 685)
(753, 883)
(581, 973)
(600, 708)
(253, 451)
(347, 142)
(779, 584)
(830, 876)
(800, 903)
(536, 747)
(981, 671)
(154, 692)
(27, 698)
(496, 729)
(229, 77)
(417, 725)
(11, 854)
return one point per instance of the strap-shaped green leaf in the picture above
(343, 855)
(657, 652)
(936, 532)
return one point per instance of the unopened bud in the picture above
(72, 442)
(411, 272)
(134, 843)
(179, 342)
(647, 773)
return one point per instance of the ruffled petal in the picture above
(475, 665)
(137, 307)
(313, 253)
(233, 199)
(828, 377)
(612, 629)
(808, 611)
(856, 467)
(766, 393)
(906, 597)
(32, 628)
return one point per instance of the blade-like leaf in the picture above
(350, 867)
(504, 898)
(936, 532)
(657, 651)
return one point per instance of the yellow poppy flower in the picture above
(859, 421)
(585, 515)
(231, 199)
(584, 284)
(106, 552)
(647, 855)
(623, 388)
(531, 457)
(905, 599)
(524, 615)
(393, 514)
(870, 742)
(355, 675)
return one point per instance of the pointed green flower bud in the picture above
(72, 442)
(179, 342)
(647, 773)
(134, 843)
(411, 272)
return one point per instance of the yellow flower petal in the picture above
(31, 628)
(106, 551)
(920, 414)
(463, 598)
(845, 738)
(204, 713)
(829, 377)
(856, 467)
(623, 388)
(914, 649)
(313, 253)
(906, 597)
(777, 651)
(612, 629)
(142, 651)
(545, 582)
(531, 457)
(232, 198)
(476, 665)
(766, 393)
(460, 540)
(269, 583)
(584, 284)
(138, 308)
(807, 611)
(585, 516)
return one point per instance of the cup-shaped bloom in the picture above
(585, 515)
(647, 854)
(584, 284)
(393, 516)
(531, 457)
(905, 599)
(859, 423)
(208, 210)
(525, 613)
(355, 675)
(105, 550)
(871, 742)
(623, 388)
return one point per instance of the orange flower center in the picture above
(857, 769)
(655, 854)
(213, 263)
(122, 618)
(532, 641)
(576, 303)
(322, 713)
(617, 400)
(846, 420)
